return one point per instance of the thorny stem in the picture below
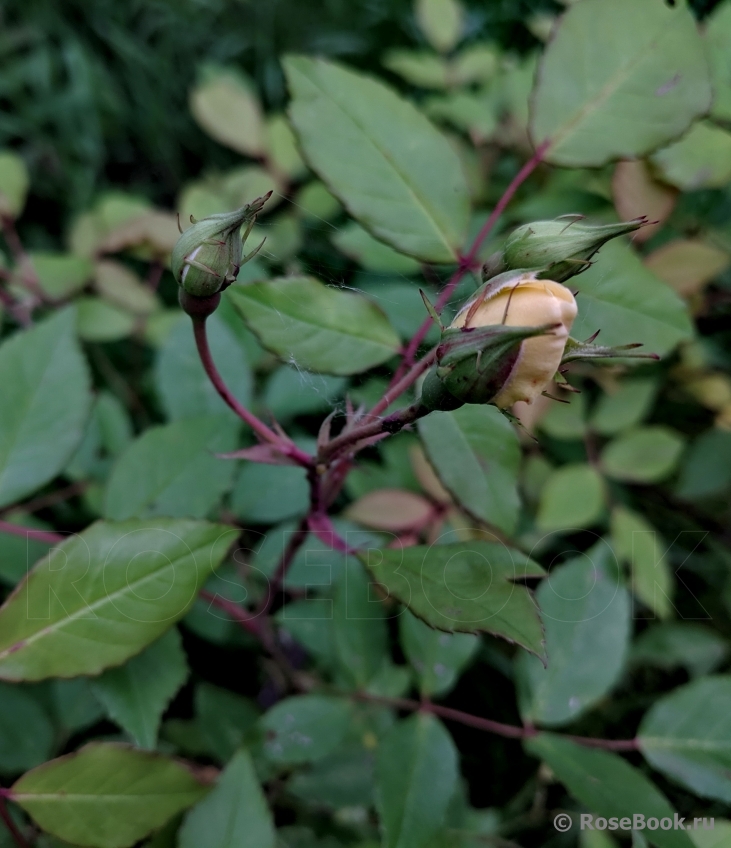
(258, 426)
(411, 376)
(390, 424)
(467, 262)
(18, 837)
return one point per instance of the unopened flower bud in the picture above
(560, 249)
(504, 345)
(208, 255)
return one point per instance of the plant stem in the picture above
(509, 731)
(239, 615)
(411, 376)
(467, 262)
(30, 533)
(297, 539)
(259, 427)
(390, 424)
(18, 837)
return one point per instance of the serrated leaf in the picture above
(476, 455)
(465, 587)
(643, 455)
(700, 159)
(104, 594)
(373, 255)
(637, 543)
(225, 106)
(607, 785)
(687, 736)
(27, 736)
(416, 776)
(317, 327)
(586, 615)
(136, 694)
(617, 80)
(106, 795)
(627, 302)
(233, 815)
(61, 275)
(393, 171)
(437, 658)
(172, 471)
(305, 728)
(572, 498)
(40, 426)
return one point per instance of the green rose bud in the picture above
(208, 255)
(560, 249)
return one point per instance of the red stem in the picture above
(296, 541)
(258, 426)
(391, 394)
(29, 533)
(468, 261)
(18, 837)
(231, 608)
(509, 731)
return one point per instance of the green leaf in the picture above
(701, 159)
(74, 705)
(692, 646)
(586, 615)
(233, 815)
(566, 420)
(687, 736)
(360, 634)
(718, 39)
(282, 150)
(317, 327)
(441, 21)
(290, 392)
(106, 795)
(373, 255)
(342, 779)
(716, 837)
(643, 455)
(17, 554)
(393, 171)
(14, 183)
(99, 321)
(104, 594)
(27, 735)
(627, 302)
(475, 452)
(224, 719)
(120, 286)
(266, 494)
(225, 106)
(637, 543)
(40, 426)
(61, 275)
(466, 587)
(419, 68)
(617, 80)
(571, 499)
(172, 470)
(607, 785)
(437, 658)
(305, 728)
(136, 694)
(706, 467)
(181, 382)
(416, 776)
(625, 408)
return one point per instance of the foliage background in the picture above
(95, 98)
